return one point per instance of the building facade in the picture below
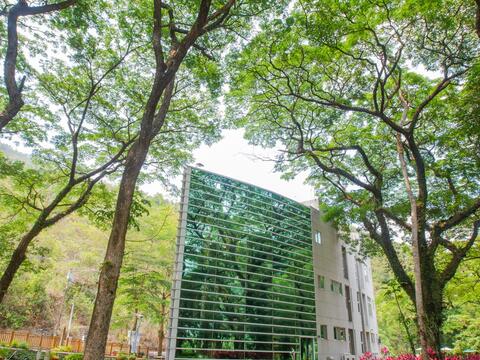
(260, 276)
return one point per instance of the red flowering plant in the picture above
(431, 354)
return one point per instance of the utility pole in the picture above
(58, 323)
(69, 328)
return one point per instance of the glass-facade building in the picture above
(260, 276)
(244, 284)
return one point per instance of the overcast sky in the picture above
(234, 157)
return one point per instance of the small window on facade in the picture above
(348, 302)
(370, 307)
(321, 282)
(339, 333)
(367, 337)
(336, 287)
(318, 237)
(365, 315)
(323, 332)
(358, 302)
(365, 273)
(345, 262)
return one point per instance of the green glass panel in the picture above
(247, 289)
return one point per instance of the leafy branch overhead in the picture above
(372, 103)
(15, 88)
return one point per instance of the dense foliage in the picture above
(376, 102)
(76, 245)
(396, 313)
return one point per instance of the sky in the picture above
(234, 157)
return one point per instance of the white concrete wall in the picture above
(331, 307)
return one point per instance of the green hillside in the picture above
(40, 299)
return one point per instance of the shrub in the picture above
(20, 355)
(73, 357)
(432, 356)
(63, 348)
(19, 345)
(59, 349)
(122, 356)
(4, 353)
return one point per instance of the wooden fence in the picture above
(47, 342)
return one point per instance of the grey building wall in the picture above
(178, 269)
(346, 336)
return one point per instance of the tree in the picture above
(85, 106)
(78, 110)
(176, 29)
(461, 326)
(13, 12)
(145, 279)
(366, 97)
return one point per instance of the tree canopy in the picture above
(376, 102)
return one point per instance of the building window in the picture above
(362, 341)
(321, 282)
(365, 316)
(370, 307)
(365, 272)
(359, 302)
(345, 262)
(323, 332)
(351, 341)
(339, 333)
(348, 301)
(209, 252)
(318, 237)
(336, 287)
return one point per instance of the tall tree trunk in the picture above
(108, 279)
(417, 261)
(161, 337)
(477, 20)
(151, 124)
(163, 314)
(433, 303)
(110, 272)
(18, 256)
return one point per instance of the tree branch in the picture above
(459, 255)
(341, 172)
(219, 16)
(15, 100)
(383, 239)
(457, 218)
